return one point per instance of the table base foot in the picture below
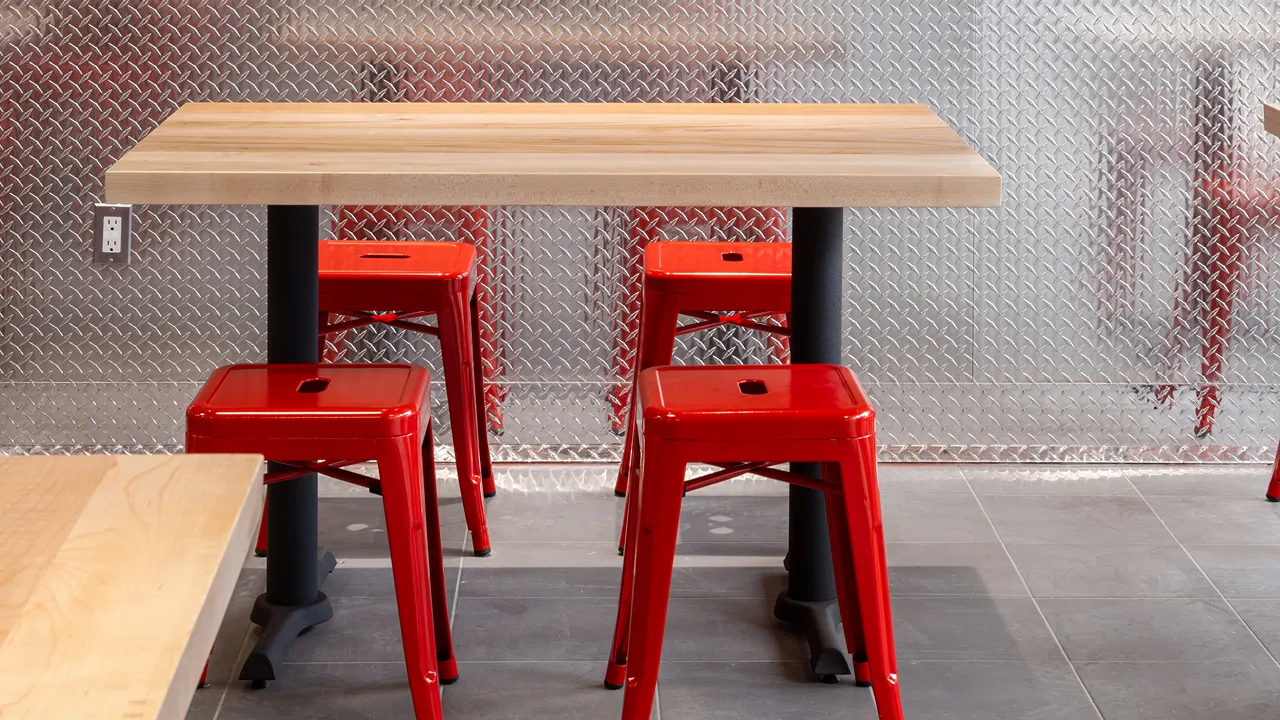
(282, 624)
(818, 622)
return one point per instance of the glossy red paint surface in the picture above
(700, 277)
(416, 278)
(721, 275)
(747, 402)
(356, 401)
(392, 274)
(338, 414)
(753, 414)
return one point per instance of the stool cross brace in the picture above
(728, 471)
(394, 319)
(708, 320)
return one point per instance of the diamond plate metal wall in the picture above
(1121, 305)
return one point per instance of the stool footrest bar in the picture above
(764, 470)
(708, 320)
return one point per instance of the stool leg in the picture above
(658, 521)
(435, 551)
(401, 473)
(459, 379)
(623, 538)
(659, 316)
(477, 224)
(322, 341)
(1273, 489)
(846, 593)
(625, 468)
(871, 573)
(488, 487)
(616, 673)
(204, 674)
(867, 458)
(781, 344)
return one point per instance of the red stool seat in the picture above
(763, 402)
(392, 275)
(745, 419)
(721, 275)
(311, 401)
(696, 279)
(325, 418)
(398, 283)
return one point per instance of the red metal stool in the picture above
(323, 418)
(410, 280)
(469, 224)
(696, 279)
(745, 419)
(646, 225)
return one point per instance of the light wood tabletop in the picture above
(1271, 118)
(115, 572)
(791, 155)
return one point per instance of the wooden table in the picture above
(817, 159)
(1271, 118)
(114, 575)
(554, 154)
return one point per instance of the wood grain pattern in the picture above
(1271, 118)
(554, 154)
(115, 572)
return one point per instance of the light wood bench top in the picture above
(115, 572)
(1271, 118)
(831, 155)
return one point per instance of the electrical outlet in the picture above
(111, 225)
(111, 234)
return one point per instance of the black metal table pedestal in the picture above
(817, 290)
(293, 602)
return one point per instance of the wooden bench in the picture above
(115, 572)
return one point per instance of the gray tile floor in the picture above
(1040, 593)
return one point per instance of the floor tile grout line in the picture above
(760, 598)
(1212, 584)
(1250, 663)
(457, 583)
(656, 714)
(580, 661)
(240, 655)
(453, 605)
(748, 661)
(357, 563)
(1035, 603)
(1046, 495)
